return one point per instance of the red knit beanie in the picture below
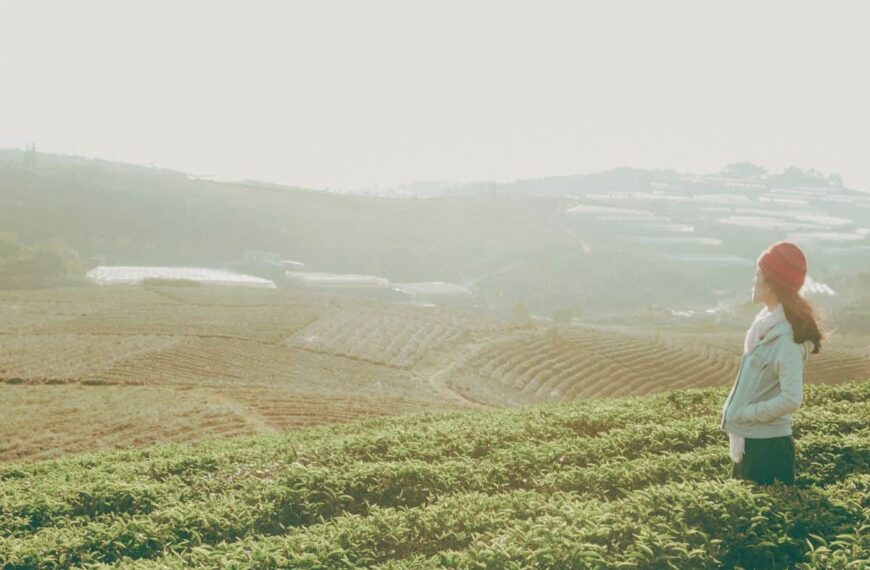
(784, 263)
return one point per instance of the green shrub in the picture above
(604, 483)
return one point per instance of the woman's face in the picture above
(759, 287)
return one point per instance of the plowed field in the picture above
(124, 366)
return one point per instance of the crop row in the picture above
(393, 340)
(679, 524)
(586, 363)
(302, 496)
(581, 363)
(595, 427)
(215, 504)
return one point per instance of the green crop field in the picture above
(632, 482)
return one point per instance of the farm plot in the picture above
(168, 317)
(398, 336)
(71, 357)
(209, 364)
(39, 421)
(267, 360)
(588, 362)
(844, 358)
(33, 317)
(223, 362)
(42, 421)
(45, 311)
(834, 366)
(575, 364)
(602, 483)
(285, 409)
(78, 296)
(247, 297)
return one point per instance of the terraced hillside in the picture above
(397, 340)
(581, 362)
(95, 368)
(48, 420)
(637, 482)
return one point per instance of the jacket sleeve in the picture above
(790, 365)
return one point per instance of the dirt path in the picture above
(438, 372)
(439, 382)
(251, 417)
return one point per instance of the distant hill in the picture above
(610, 242)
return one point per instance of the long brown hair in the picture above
(802, 316)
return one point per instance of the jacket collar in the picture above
(775, 331)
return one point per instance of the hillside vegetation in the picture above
(48, 264)
(574, 242)
(637, 482)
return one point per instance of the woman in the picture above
(769, 385)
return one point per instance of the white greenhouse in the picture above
(337, 280)
(129, 275)
(813, 287)
(433, 289)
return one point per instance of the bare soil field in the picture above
(124, 366)
(545, 364)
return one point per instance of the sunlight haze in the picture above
(356, 95)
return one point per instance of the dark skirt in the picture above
(766, 459)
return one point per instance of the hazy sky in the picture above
(353, 94)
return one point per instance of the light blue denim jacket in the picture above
(769, 386)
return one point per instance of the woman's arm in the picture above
(790, 368)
